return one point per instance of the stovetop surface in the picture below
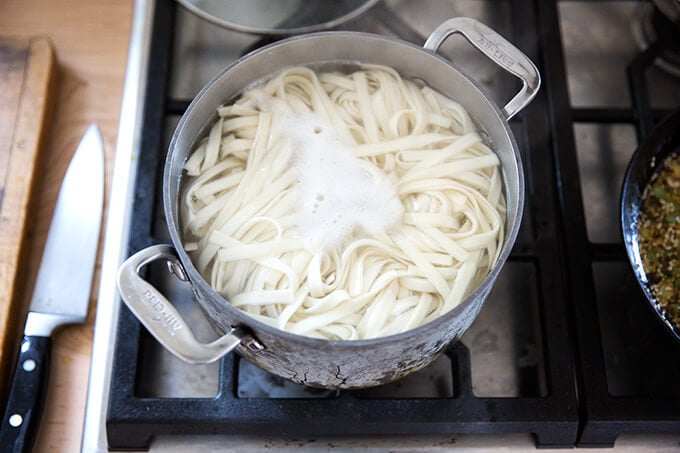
(564, 349)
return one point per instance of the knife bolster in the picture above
(43, 324)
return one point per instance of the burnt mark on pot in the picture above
(341, 379)
(303, 381)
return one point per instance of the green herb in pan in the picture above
(659, 237)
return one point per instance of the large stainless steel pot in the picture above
(310, 361)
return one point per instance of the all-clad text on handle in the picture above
(499, 50)
(161, 318)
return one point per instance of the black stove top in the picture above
(564, 349)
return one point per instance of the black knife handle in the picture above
(26, 395)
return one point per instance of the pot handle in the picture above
(499, 50)
(162, 319)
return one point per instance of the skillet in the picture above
(662, 143)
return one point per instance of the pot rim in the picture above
(196, 279)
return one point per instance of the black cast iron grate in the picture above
(553, 240)
(605, 300)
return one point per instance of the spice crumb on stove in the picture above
(659, 237)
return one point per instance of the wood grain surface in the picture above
(91, 42)
(27, 82)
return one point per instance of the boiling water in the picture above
(338, 192)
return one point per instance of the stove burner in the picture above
(660, 22)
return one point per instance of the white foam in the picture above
(337, 194)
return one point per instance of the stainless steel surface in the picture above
(499, 50)
(207, 48)
(603, 154)
(115, 241)
(43, 324)
(283, 17)
(597, 56)
(62, 289)
(598, 46)
(161, 318)
(505, 443)
(345, 364)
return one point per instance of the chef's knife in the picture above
(62, 288)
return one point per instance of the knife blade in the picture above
(62, 289)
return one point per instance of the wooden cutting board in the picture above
(27, 84)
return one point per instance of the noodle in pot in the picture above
(343, 206)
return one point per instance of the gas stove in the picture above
(564, 352)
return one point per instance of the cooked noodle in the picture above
(242, 201)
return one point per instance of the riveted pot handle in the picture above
(499, 50)
(161, 318)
